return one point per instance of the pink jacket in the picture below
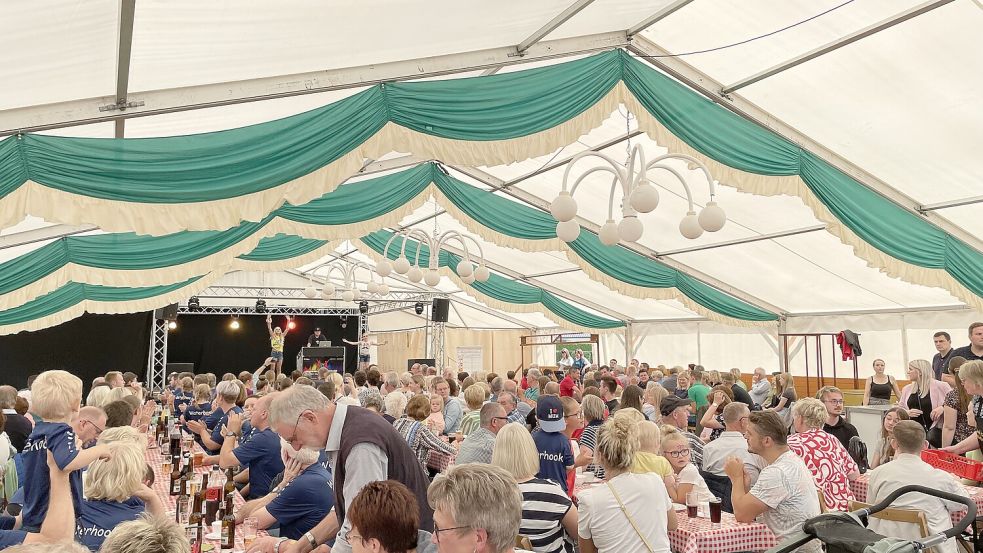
(937, 391)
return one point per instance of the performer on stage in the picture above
(277, 336)
(363, 350)
(313, 339)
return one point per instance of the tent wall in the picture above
(500, 348)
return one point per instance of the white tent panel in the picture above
(93, 130)
(395, 321)
(969, 217)
(607, 15)
(632, 308)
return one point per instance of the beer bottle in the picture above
(228, 526)
(175, 474)
(182, 506)
(230, 484)
(195, 530)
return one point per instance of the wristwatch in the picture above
(231, 435)
(276, 546)
(310, 538)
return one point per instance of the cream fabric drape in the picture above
(501, 351)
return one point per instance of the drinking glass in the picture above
(165, 466)
(692, 504)
(194, 486)
(249, 531)
(715, 510)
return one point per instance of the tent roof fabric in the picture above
(900, 105)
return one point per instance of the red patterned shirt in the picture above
(829, 463)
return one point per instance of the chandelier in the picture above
(468, 269)
(638, 196)
(349, 288)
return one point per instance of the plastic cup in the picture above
(715, 510)
(692, 504)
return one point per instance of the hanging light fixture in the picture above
(349, 287)
(234, 324)
(469, 268)
(638, 196)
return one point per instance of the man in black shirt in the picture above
(608, 388)
(974, 351)
(17, 427)
(832, 398)
(315, 338)
(940, 363)
(740, 394)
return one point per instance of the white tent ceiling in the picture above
(899, 106)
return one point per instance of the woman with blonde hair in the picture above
(630, 512)
(546, 509)
(653, 396)
(784, 397)
(737, 378)
(971, 375)
(114, 488)
(98, 396)
(924, 398)
(592, 408)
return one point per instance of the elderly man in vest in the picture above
(361, 447)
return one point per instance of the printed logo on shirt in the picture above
(546, 456)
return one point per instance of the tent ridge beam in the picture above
(951, 203)
(665, 12)
(156, 102)
(710, 88)
(836, 44)
(560, 19)
(554, 273)
(885, 311)
(32, 236)
(125, 47)
(747, 240)
(542, 205)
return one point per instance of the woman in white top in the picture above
(629, 512)
(565, 359)
(676, 449)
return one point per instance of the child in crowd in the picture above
(57, 398)
(686, 477)
(649, 457)
(555, 453)
(436, 419)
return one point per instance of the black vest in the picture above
(364, 426)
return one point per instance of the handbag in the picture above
(631, 521)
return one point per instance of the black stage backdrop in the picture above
(209, 342)
(87, 347)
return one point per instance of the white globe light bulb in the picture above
(347, 295)
(384, 268)
(645, 197)
(690, 226)
(568, 231)
(712, 217)
(432, 278)
(328, 290)
(482, 274)
(415, 274)
(310, 292)
(383, 289)
(372, 287)
(630, 229)
(402, 265)
(464, 268)
(564, 207)
(468, 279)
(609, 233)
(356, 294)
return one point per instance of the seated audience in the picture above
(416, 433)
(713, 419)
(114, 489)
(785, 495)
(147, 534)
(593, 411)
(831, 466)
(18, 427)
(546, 509)
(474, 398)
(118, 413)
(59, 524)
(609, 387)
(260, 454)
(395, 407)
(654, 393)
(508, 402)
(476, 508)
(675, 412)
(435, 420)
(649, 456)
(835, 424)
(884, 452)
(386, 519)
(631, 397)
(730, 443)
(209, 429)
(555, 453)
(686, 476)
(908, 440)
(971, 376)
(736, 387)
(478, 446)
(200, 406)
(632, 512)
(451, 412)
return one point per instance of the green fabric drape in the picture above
(282, 246)
(497, 287)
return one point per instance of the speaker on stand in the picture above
(439, 309)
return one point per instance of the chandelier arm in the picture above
(592, 170)
(679, 176)
(614, 187)
(694, 161)
(415, 233)
(452, 235)
(385, 251)
(566, 172)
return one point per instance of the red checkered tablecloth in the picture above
(162, 483)
(699, 535)
(859, 487)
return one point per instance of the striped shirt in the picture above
(470, 422)
(544, 504)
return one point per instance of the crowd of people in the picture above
(484, 462)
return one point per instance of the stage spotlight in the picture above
(363, 307)
(172, 325)
(418, 308)
(234, 325)
(261, 306)
(194, 304)
(291, 324)
(344, 322)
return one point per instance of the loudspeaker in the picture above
(168, 313)
(438, 312)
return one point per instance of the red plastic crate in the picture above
(950, 462)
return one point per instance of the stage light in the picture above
(194, 304)
(344, 322)
(291, 325)
(172, 325)
(261, 306)
(363, 307)
(418, 308)
(234, 325)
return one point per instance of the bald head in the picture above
(89, 423)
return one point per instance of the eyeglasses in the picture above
(96, 426)
(500, 418)
(678, 454)
(577, 414)
(437, 530)
(293, 435)
(350, 536)
(835, 401)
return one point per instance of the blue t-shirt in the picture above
(217, 435)
(261, 454)
(247, 431)
(59, 438)
(98, 518)
(197, 411)
(303, 503)
(181, 400)
(555, 456)
(8, 536)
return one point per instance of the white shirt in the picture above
(728, 444)
(910, 469)
(691, 475)
(788, 489)
(565, 362)
(602, 520)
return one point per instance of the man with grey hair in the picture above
(760, 387)
(390, 384)
(732, 443)
(147, 534)
(497, 386)
(17, 427)
(512, 387)
(361, 447)
(478, 446)
(508, 402)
